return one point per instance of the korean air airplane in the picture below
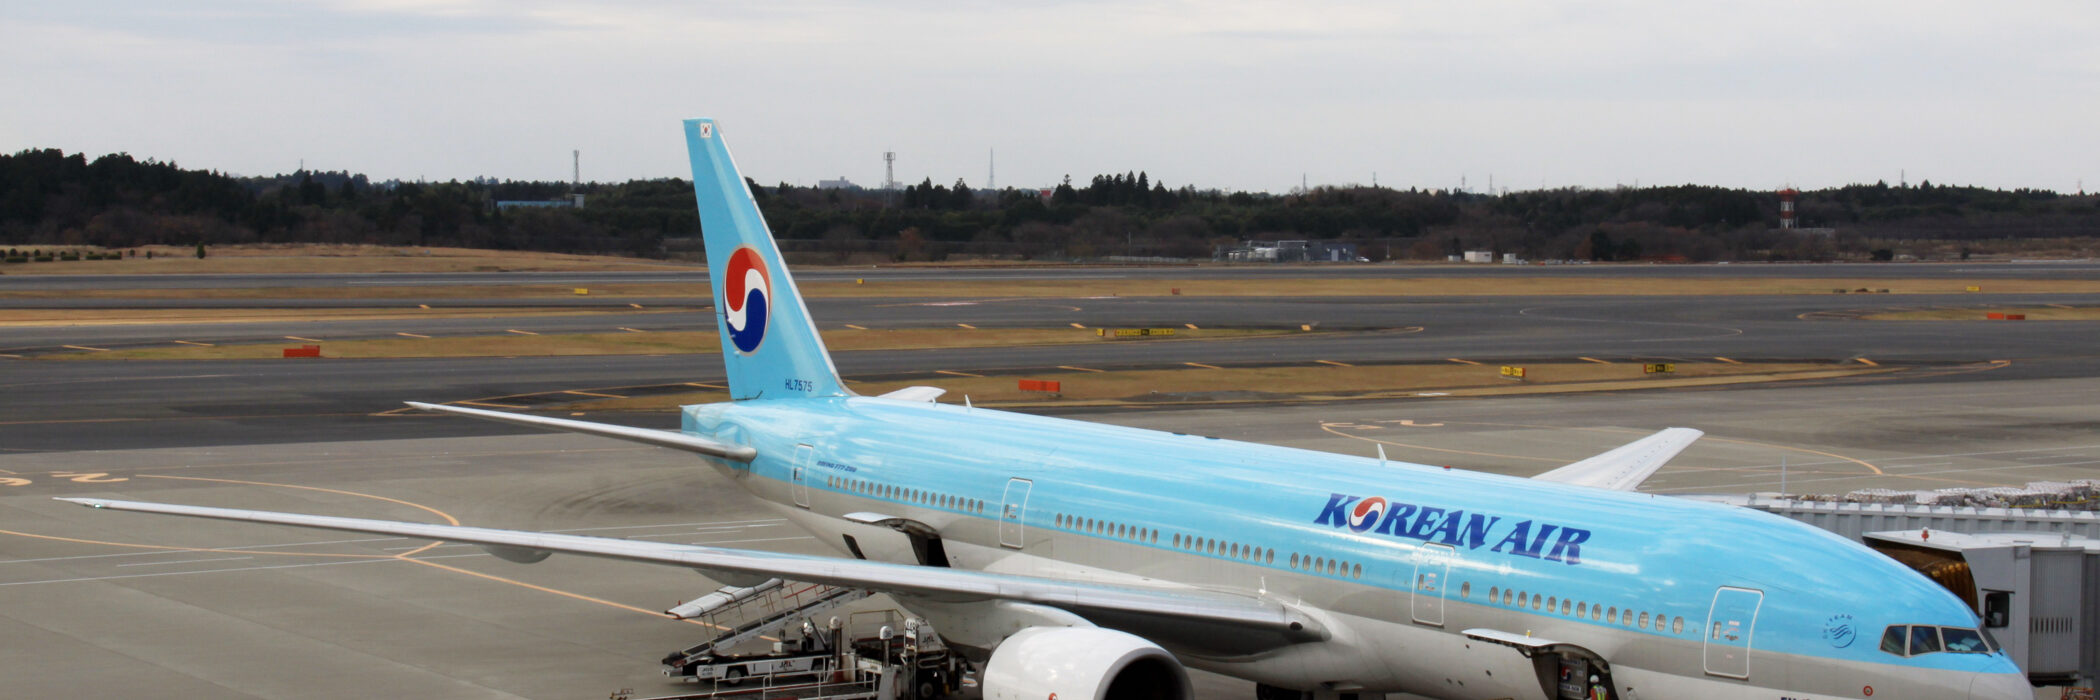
(1092, 561)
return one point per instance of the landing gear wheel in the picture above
(734, 676)
(928, 691)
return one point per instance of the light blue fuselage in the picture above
(1219, 513)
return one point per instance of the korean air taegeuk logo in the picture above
(747, 298)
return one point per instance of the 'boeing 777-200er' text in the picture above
(1093, 561)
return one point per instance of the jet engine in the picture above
(1082, 663)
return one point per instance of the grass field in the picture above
(1309, 382)
(1083, 288)
(2034, 313)
(640, 343)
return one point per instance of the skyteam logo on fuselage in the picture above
(1536, 540)
(747, 298)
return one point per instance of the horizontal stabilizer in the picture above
(1624, 468)
(916, 393)
(647, 436)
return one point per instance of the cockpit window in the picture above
(1924, 639)
(1964, 641)
(1912, 640)
(1892, 640)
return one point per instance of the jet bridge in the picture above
(2038, 593)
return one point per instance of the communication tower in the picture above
(889, 170)
(1786, 208)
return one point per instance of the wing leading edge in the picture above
(1624, 468)
(1088, 599)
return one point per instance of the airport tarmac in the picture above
(105, 604)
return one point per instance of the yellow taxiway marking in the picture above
(1592, 359)
(632, 330)
(955, 373)
(423, 306)
(544, 589)
(1867, 362)
(1081, 369)
(1332, 362)
(84, 347)
(1463, 362)
(11, 357)
(303, 340)
(965, 325)
(192, 342)
(2057, 306)
(411, 335)
(1192, 326)
(857, 328)
(418, 506)
(1199, 364)
(488, 404)
(519, 332)
(637, 306)
(598, 395)
(1080, 326)
(1729, 361)
(706, 386)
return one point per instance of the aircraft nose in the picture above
(2000, 686)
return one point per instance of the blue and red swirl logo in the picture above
(1365, 516)
(747, 295)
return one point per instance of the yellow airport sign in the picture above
(1513, 372)
(1659, 367)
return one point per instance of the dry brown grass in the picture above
(1314, 382)
(323, 258)
(625, 343)
(1083, 288)
(118, 317)
(2034, 313)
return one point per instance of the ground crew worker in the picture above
(1598, 691)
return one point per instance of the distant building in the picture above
(840, 184)
(1480, 256)
(1289, 251)
(574, 201)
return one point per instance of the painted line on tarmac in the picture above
(303, 340)
(857, 328)
(1204, 366)
(1729, 361)
(192, 342)
(965, 325)
(594, 394)
(1080, 326)
(632, 330)
(519, 332)
(186, 561)
(411, 335)
(951, 372)
(705, 385)
(1082, 369)
(1332, 362)
(84, 347)
(1592, 359)
(1463, 362)
(490, 405)
(1867, 362)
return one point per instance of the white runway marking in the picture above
(184, 561)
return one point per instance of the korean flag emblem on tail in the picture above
(747, 299)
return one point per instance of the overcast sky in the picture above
(1226, 94)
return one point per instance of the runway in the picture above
(282, 613)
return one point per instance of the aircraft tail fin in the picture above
(769, 344)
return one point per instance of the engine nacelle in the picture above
(1082, 663)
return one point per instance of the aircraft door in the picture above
(1013, 511)
(805, 457)
(1432, 569)
(1729, 624)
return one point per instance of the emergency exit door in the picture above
(1013, 513)
(804, 457)
(1432, 568)
(1729, 624)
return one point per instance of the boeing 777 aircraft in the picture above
(1093, 561)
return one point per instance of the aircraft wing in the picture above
(1624, 468)
(1116, 605)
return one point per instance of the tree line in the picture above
(52, 198)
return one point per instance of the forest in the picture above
(52, 198)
